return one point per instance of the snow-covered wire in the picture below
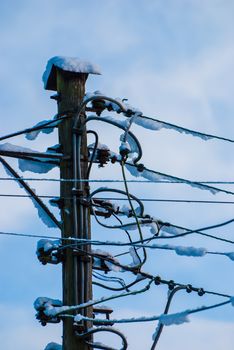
(57, 311)
(153, 123)
(43, 211)
(140, 170)
(188, 251)
(171, 319)
(160, 325)
(162, 124)
(42, 125)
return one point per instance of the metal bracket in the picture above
(103, 311)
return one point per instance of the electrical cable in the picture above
(78, 223)
(134, 138)
(114, 180)
(109, 279)
(31, 192)
(103, 299)
(91, 242)
(155, 317)
(103, 329)
(114, 190)
(124, 199)
(59, 117)
(133, 212)
(161, 325)
(93, 153)
(188, 131)
(195, 184)
(128, 111)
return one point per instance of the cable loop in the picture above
(102, 346)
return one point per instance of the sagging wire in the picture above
(30, 155)
(160, 326)
(141, 168)
(158, 280)
(49, 123)
(94, 345)
(188, 131)
(209, 307)
(93, 153)
(138, 170)
(133, 269)
(30, 192)
(179, 250)
(188, 231)
(129, 236)
(113, 190)
(58, 312)
(127, 110)
(130, 240)
(134, 138)
(154, 317)
(198, 231)
(109, 279)
(141, 262)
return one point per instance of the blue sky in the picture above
(173, 60)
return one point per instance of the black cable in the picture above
(125, 199)
(141, 168)
(129, 238)
(103, 329)
(129, 113)
(109, 279)
(31, 192)
(161, 325)
(93, 117)
(118, 289)
(186, 130)
(93, 152)
(59, 116)
(170, 200)
(114, 190)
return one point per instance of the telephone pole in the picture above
(77, 265)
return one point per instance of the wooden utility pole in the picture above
(77, 269)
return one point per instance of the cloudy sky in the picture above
(174, 60)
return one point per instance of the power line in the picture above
(170, 200)
(182, 129)
(40, 126)
(77, 224)
(141, 170)
(130, 111)
(146, 319)
(114, 180)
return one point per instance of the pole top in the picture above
(67, 64)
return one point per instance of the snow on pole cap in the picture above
(68, 64)
(53, 346)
